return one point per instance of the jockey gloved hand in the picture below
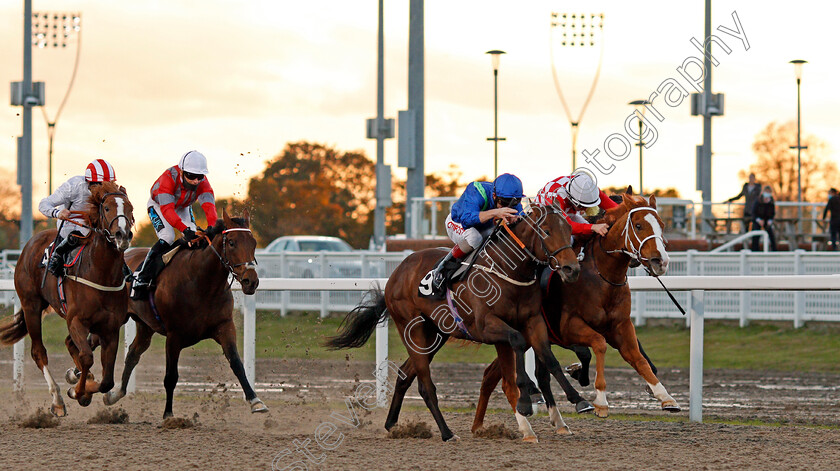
(63, 214)
(508, 214)
(189, 235)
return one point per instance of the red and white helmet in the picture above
(100, 171)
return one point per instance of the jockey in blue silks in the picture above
(471, 219)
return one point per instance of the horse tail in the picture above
(356, 328)
(13, 329)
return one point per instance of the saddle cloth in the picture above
(74, 255)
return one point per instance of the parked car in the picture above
(301, 266)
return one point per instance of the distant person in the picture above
(750, 191)
(833, 207)
(764, 212)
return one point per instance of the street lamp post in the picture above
(55, 30)
(640, 109)
(495, 55)
(797, 68)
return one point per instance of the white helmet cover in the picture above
(583, 191)
(194, 162)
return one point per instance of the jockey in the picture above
(577, 195)
(170, 208)
(471, 219)
(74, 193)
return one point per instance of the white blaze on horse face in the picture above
(121, 212)
(657, 232)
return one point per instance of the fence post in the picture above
(695, 408)
(690, 269)
(18, 354)
(249, 336)
(382, 363)
(641, 301)
(130, 333)
(325, 295)
(433, 219)
(799, 296)
(745, 295)
(531, 365)
(284, 295)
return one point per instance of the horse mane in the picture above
(628, 202)
(97, 196)
(220, 225)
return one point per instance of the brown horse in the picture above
(595, 310)
(95, 294)
(193, 302)
(499, 304)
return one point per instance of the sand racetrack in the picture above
(303, 395)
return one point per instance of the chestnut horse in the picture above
(595, 310)
(499, 303)
(192, 301)
(94, 289)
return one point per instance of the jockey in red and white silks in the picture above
(170, 208)
(73, 194)
(575, 194)
(173, 194)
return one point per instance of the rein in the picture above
(550, 256)
(637, 252)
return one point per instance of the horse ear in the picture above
(247, 216)
(629, 190)
(228, 222)
(653, 201)
(122, 189)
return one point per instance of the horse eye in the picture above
(638, 226)
(230, 242)
(107, 209)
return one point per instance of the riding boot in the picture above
(56, 263)
(152, 265)
(444, 270)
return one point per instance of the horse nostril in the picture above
(656, 261)
(567, 270)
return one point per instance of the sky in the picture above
(238, 80)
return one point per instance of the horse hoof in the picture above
(583, 406)
(671, 406)
(112, 397)
(258, 407)
(167, 415)
(453, 438)
(72, 376)
(58, 410)
(571, 369)
(564, 430)
(602, 411)
(71, 393)
(532, 439)
(85, 400)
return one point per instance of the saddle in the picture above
(70, 258)
(165, 258)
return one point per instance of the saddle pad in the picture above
(73, 256)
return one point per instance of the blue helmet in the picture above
(508, 186)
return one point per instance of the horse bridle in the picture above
(107, 229)
(629, 229)
(550, 256)
(223, 256)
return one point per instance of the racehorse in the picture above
(499, 304)
(595, 310)
(193, 302)
(94, 298)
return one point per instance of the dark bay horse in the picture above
(193, 302)
(95, 294)
(498, 303)
(595, 310)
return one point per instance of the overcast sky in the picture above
(238, 80)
